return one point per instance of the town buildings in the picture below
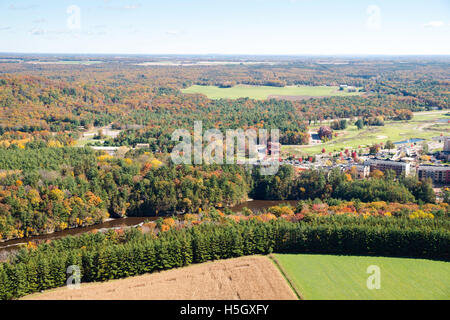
(400, 167)
(445, 154)
(439, 174)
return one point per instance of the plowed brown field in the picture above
(254, 277)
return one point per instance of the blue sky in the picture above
(227, 27)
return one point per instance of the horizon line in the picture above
(234, 54)
(318, 55)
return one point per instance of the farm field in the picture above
(253, 277)
(264, 92)
(202, 63)
(344, 277)
(424, 125)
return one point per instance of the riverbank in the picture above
(9, 246)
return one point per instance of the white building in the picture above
(384, 165)
(109, 150)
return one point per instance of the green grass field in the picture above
(262, 92)
(345, 277)
(422, 126)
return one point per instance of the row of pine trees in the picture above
(102, 257)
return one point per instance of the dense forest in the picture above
(51, 181)
(47, 183)
(147, 101)
(47, 189)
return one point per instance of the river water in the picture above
(12, 245)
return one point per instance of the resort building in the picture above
(439, 174)
(400, 168)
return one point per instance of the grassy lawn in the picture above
(345, 277)
(262, 92)
(421, 126)
(84, 142)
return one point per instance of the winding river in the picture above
(9, 246)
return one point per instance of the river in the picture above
(9, 246)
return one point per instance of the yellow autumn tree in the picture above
(56, 194)
(377, 174)
(34, 197)
(155, 163)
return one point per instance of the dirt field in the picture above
(250, 278)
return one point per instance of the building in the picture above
(400, 168)
(109, 150)
(445, 153)
(314, 138)
(362, 170)
(446, 144)
(438, 174)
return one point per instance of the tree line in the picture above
(102, 257)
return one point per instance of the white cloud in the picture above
(64, 33)
(37, 31)
(132, 6)
(173, 32)
(434, 24)
(38, 21)
(29, 7)
(176, 33)
(124, 7)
